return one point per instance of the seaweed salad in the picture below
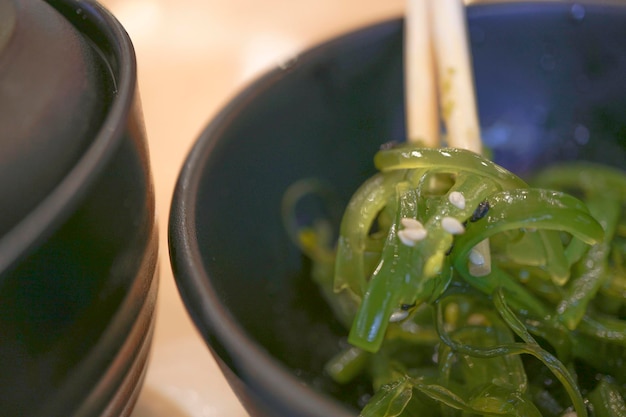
(466, 290)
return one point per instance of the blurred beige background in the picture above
(193, 56)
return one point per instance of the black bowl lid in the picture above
(54, 94)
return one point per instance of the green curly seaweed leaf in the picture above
(467, 292)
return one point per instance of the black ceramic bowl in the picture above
(551, 85)
(78, 262)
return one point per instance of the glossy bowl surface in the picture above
(55, 91)
(550, 87)
(78, 271)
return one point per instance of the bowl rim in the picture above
(193, 282)
(40, 223)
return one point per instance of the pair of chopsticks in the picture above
(439, 82)
(439, 85)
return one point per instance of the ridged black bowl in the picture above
(78, 259)
(551, 85)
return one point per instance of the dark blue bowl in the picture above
(551, 82)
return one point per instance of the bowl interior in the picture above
(550, 87)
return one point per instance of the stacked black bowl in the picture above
(78, 242)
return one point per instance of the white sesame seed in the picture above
(402, 235)
(452, 225)
(398, 315)
(411, 236)
(457, 199)
(479, 262)
(476, 257)
(410, 223)
(415, 234)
